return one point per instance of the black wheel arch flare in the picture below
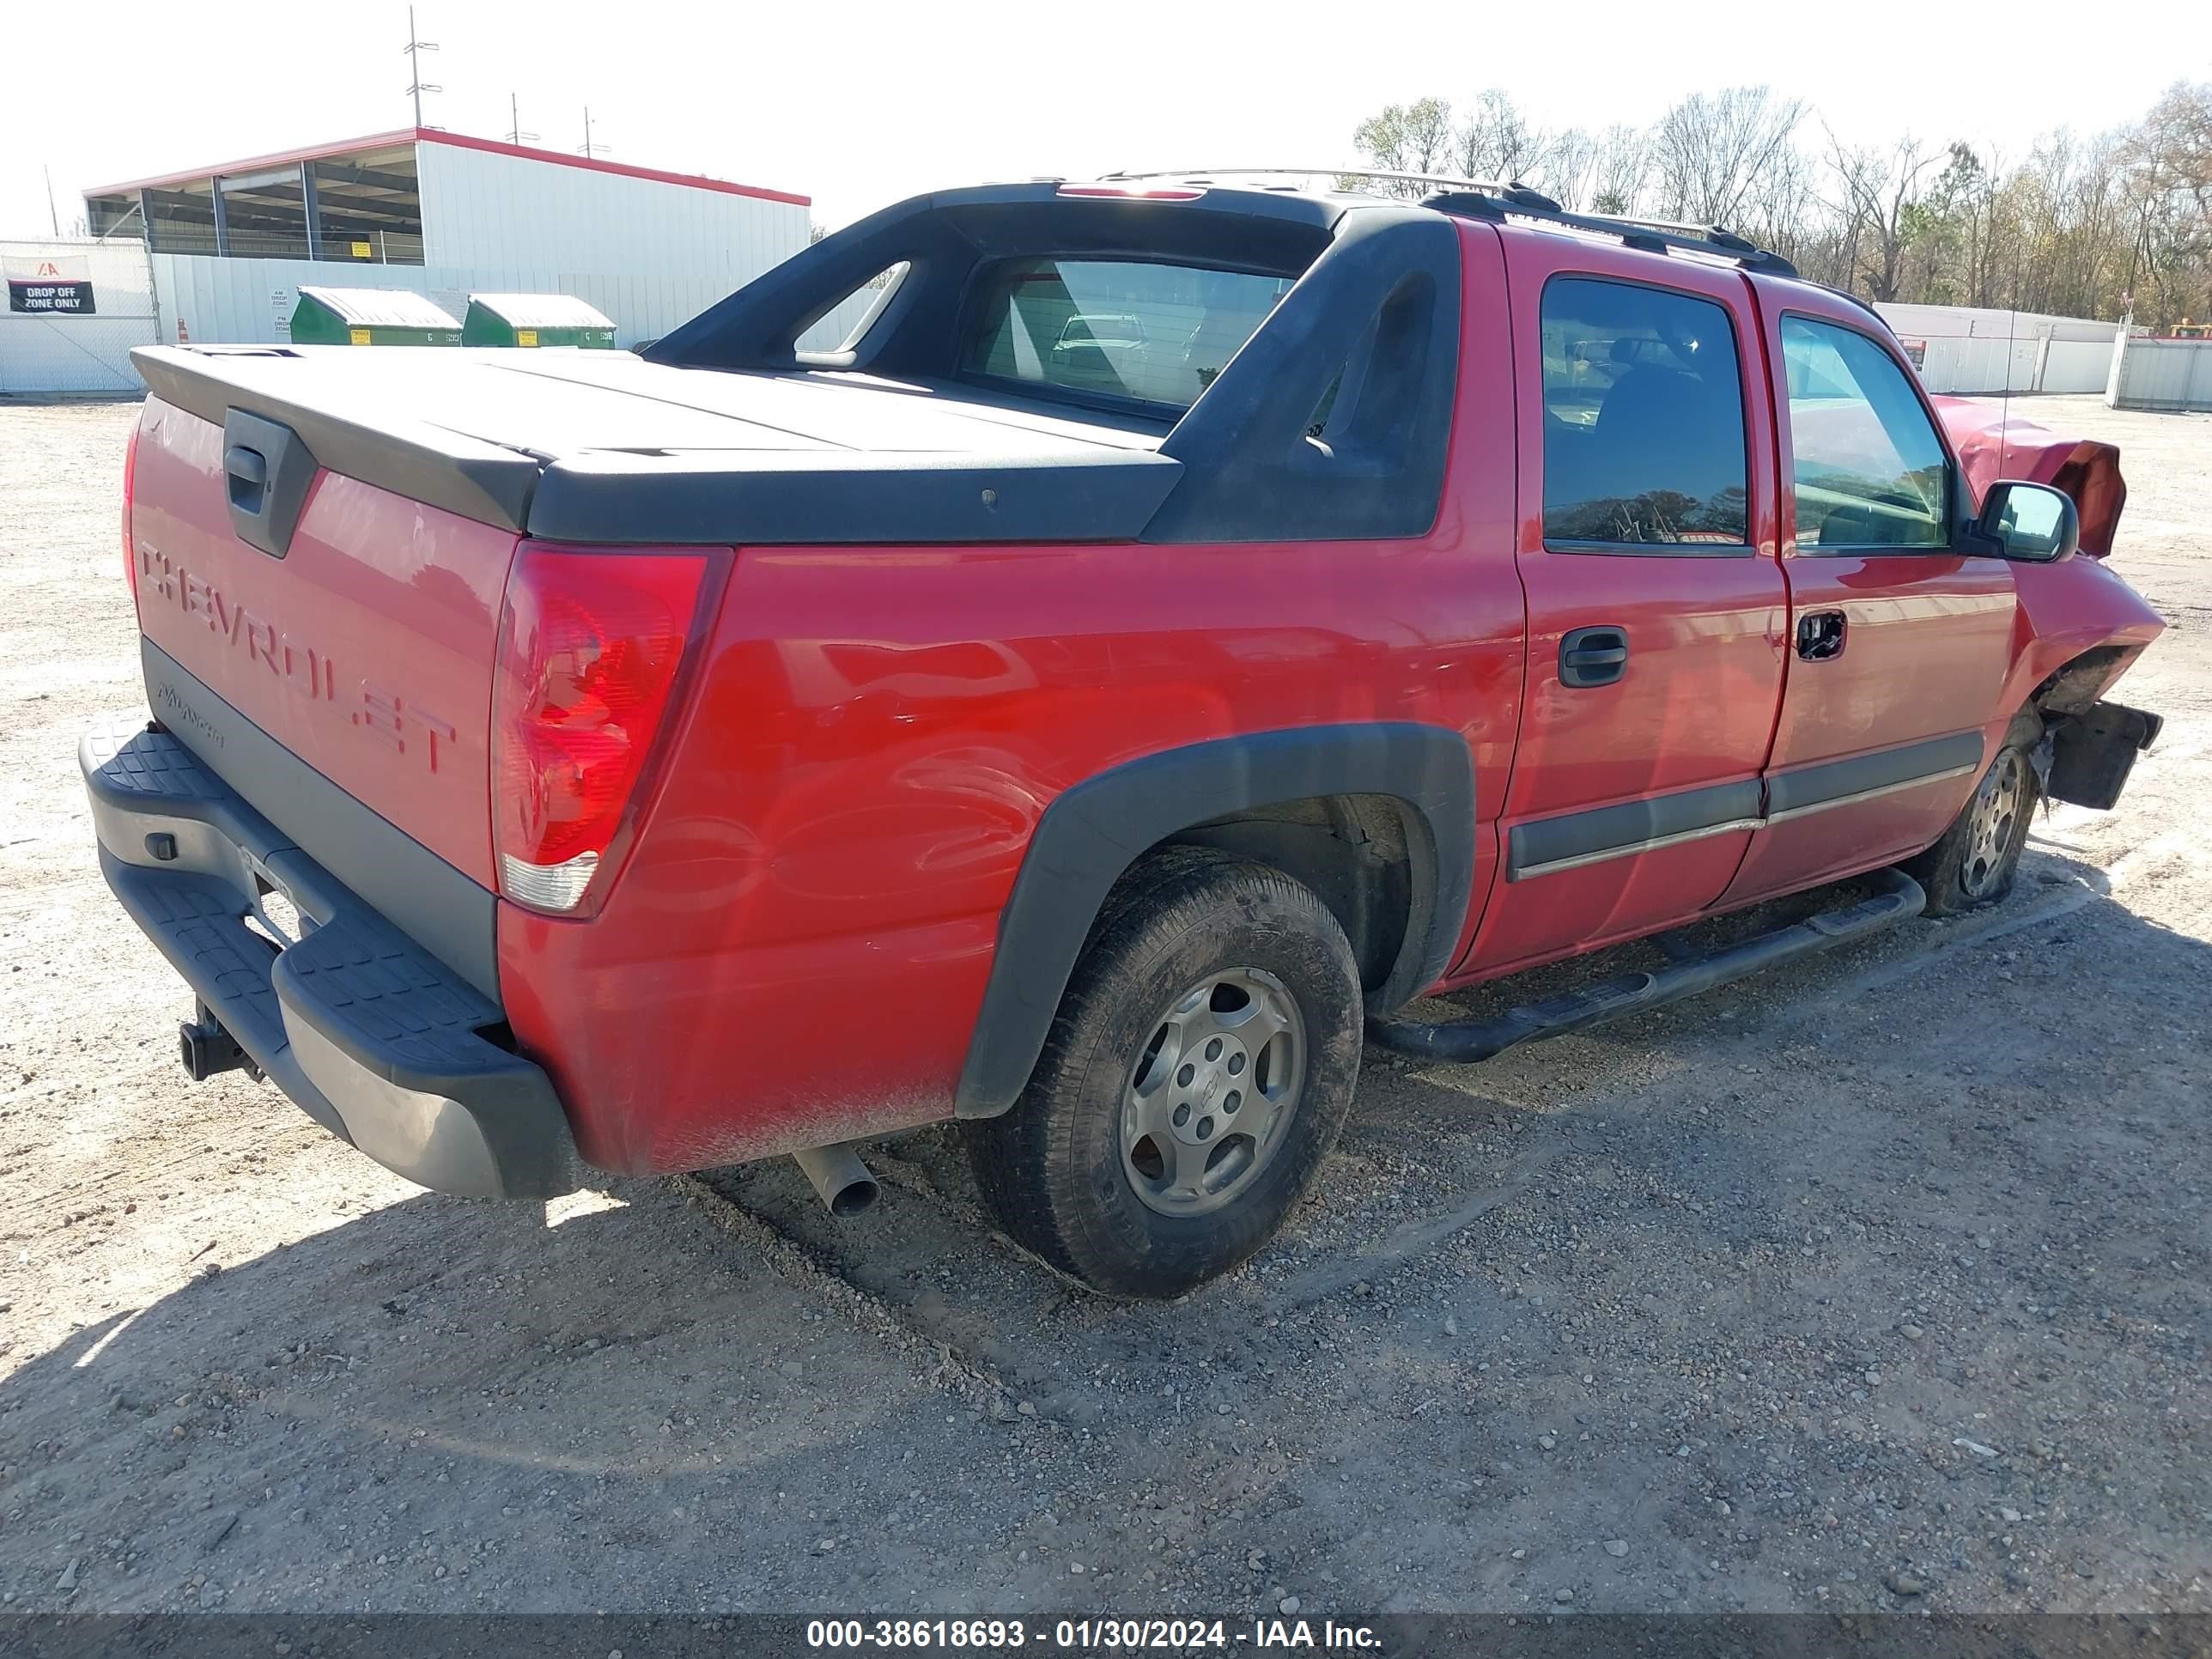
(1092, 832)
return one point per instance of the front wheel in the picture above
(1197, 1071)
(1976, 860)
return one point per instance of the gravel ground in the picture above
(1877, 1282)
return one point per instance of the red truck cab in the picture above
(1185, 625)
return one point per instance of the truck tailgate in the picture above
(366, 649)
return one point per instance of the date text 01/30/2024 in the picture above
(1089, 1635)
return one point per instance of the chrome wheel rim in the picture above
(1212, 1091)
(1996, 813)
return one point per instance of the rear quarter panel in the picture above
(797, 952)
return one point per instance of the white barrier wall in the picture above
(2076, 366)
(2170, 375)
(1971, 349)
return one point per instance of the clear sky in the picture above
(856, 105)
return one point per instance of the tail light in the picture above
(590, 645)
(130, 488)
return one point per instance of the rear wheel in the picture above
(1976, 860)
(1199, 1069)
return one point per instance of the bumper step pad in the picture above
(373, 1037)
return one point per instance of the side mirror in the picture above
(2029, 521)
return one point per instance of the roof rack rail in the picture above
(1499, 198)
(1499, 185)
(1648, 235)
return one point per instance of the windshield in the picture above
(1117, 328)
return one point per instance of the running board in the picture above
(1459, 1041)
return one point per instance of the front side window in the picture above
(1870, 471)
(1119, 328)
(1644, 444)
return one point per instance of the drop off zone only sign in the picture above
(55, 285)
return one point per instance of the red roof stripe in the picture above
(459, 141)
(314, 152)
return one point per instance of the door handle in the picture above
(1820, 636)
(247, 472)
(1593, 656)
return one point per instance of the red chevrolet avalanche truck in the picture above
(1184, 625)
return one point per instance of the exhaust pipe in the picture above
(847, 1188)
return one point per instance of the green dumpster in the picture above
(370, 316)
(535, 319)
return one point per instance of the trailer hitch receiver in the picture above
(207, 1047)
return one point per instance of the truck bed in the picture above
(607, 447)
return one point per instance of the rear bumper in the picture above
(370, 1035)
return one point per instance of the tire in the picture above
(1975, 861)
(1091, 1169)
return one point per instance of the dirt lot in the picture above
(1881, 1281)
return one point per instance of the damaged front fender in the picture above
(1993, 443)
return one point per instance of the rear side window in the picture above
(1154, 334)
(1644, 444)
(1870, 472)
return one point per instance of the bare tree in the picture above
(1570, 165)
(1495, 141)
(2169, 190)
(2176, 141)
(1726, 158)
(1621, 171)
(1603, 172)
(1594, 173)
(1964, 248)
(2083, 226)
(1880, 192)
(1415, 138)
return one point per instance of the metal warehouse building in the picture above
(445, 214)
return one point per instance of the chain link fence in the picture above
(74, 311)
